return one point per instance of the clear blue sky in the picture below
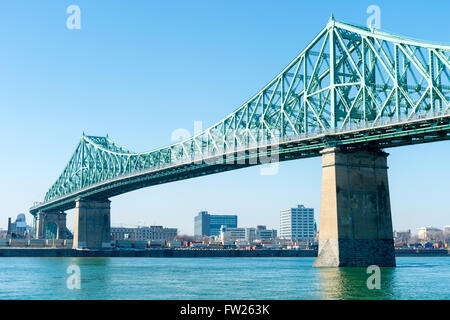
(138, 70)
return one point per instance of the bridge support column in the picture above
(355, 215)
(45, 220)
(92, 224)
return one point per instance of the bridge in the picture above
(352, 92)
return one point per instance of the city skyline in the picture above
(414, 231)
(59, 86)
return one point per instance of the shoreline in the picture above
(191, 253)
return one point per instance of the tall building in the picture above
(297, 224)
(201, 224)
(206, 224)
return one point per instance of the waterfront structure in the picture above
(352, 92)
(206, 224)
(297, 224)
(144, 233)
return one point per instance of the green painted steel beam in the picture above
(347, 80)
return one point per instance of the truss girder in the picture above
(347, 78)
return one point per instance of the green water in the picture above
(218, 278)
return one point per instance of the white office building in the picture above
(260, 233)
(297, 224)
(231, 234)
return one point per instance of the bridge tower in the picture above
(92, 224)
(46, 219)
(355, 216)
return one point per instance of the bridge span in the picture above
(350, 93)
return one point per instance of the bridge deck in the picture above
(386, 136)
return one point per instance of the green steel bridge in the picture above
(352, 86)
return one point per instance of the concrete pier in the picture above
(46, 219)
(355, 216)
(92, 224)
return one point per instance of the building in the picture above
(250, 234)
(122, 233)
(156, 233)
(430, 233)
(447, 232)
(231, 234)
(264, 234)
(260, 233)
(18, 228)
(402, 236)
(297, 224)
(206, 224)
(144, 233)
(202, 224)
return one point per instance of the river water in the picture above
(217, 278)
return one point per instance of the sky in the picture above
(138, 70)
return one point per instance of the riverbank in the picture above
(189, 253)
(165, 253)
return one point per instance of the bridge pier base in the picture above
(92, 224)
(44, 220)
(355, 217)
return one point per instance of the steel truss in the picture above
(348, 79)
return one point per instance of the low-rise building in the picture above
(447, 233)
(402, 236)
(260, 233)
(430, 233)
(18, 228)
(264, 234)
(231, 234)
(144, 233)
